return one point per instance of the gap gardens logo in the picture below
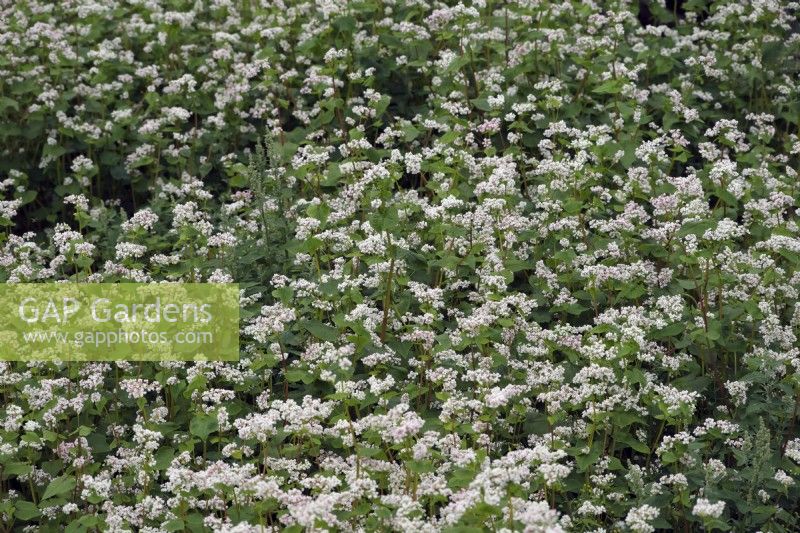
(125, 321)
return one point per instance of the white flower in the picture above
(703, 508)
(639, 518)
(784, 479)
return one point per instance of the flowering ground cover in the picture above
(505, 265)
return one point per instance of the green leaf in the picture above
(693, 383)
(6, 102)
(714, 330)
(410, 132)
(320, 330)
(585, 461)
(632, 442)
(364, 451)
(293, 376)
(609, 87)
(669, 331)
(625, 418)
(16, 469)
(696, 228)
(176, 524)
(727, 197)
(164, 457)
(59, 486)
(481, 103)
(195, 522)
(381, 105)
(284, 294)
(84, 523)
(669, 120)
(238, 175)
(461, 477)
(420, 467)
(332, 175)
(793, 257)
(449, 137)
(573, 206)
(25, 510)
(203, 425)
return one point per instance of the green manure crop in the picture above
(505, 265)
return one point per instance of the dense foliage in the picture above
(507, 265)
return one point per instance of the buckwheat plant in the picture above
(504, 265)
